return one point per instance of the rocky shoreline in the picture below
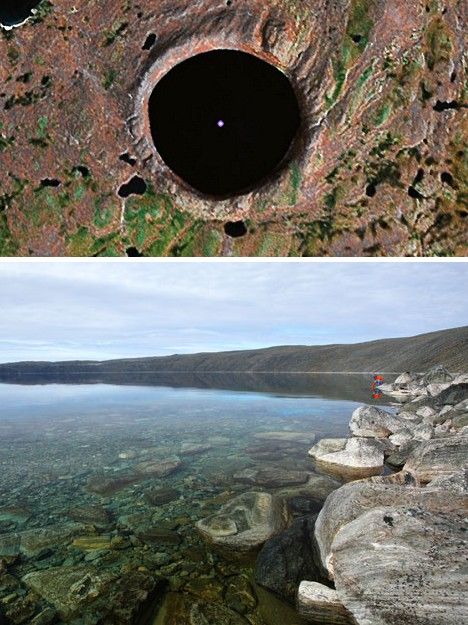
(388, 546)
(394, 546)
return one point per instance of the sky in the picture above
(67, 310)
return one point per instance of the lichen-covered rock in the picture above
(374, 422)
(381, 90)
(245, 522)
(438, 457)
(423, 432)
(452, 395)
(437, 375)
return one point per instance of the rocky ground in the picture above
(378, 168)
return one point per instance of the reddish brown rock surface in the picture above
(378, 168)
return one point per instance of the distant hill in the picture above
(417, 353)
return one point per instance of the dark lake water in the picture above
(16, 11)
(68, 482)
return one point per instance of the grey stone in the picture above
(288, 558)
(321, 604)
(245, 522)
(374, 422)
(438, 457)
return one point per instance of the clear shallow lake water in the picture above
(71, 483)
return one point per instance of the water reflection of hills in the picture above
(354, 387)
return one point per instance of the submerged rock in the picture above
(193, 449)
(215, 614)
(158, 468)
(106, 485)
(310, 496)
(240, 596)
(157, 535)
(161, 496)
(116, 598)
(286, 436)
(179, 609)
(271, 477)
(67, 588)
(288, 558)
(322, 605)
(245, 522)
(94, 515)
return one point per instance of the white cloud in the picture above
(61, 310)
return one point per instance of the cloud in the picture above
(63, 310)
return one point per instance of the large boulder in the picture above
(437, 375)
(288, 558)
(452, 395)
(438, 457)
(360, 457)
(402, 564)
(245, 522)
(374, 422)
(353, 499)
(327, 446)
(393, 550)
(405, 378)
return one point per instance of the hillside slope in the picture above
(418, 353)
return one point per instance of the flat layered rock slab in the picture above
(356, 457)
(75, 130)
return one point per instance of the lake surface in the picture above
(69, 486)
